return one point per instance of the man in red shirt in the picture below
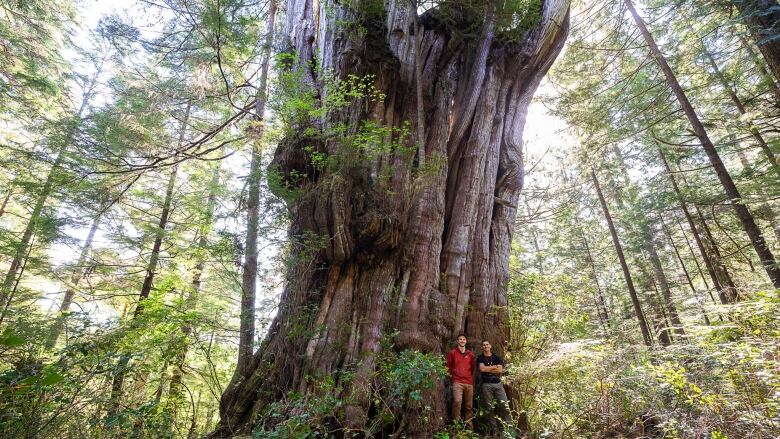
(460, 362)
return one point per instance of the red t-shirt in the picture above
(461, 366)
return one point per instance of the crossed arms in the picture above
(491, 369)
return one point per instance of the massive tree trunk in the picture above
(762, 18)
(740, 209)
(404, 254)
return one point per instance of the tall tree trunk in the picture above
(623, 265)
(246, 341)
(762, 18)
(22, 249)
(120, 370)
(419, 253)
(717, 258)
(644, 234)
(6, 199)
(418, 86)
(75, 278)
(175, 387)
(661, 326)
(771, 81)
(663, 284)
(726, 289)
(742, 212)
(770, 155)
(686, 273)
(601, 304)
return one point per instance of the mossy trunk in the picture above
(404, 253)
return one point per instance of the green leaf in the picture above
(51, 378)
(10, 339)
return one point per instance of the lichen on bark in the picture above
(419, 252)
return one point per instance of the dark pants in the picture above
(494, 397)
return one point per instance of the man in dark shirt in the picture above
(491, 366)
(460, 362)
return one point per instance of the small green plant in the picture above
(410, 373)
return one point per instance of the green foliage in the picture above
(409, 374)
(399, 383)
(719, 388)
(513, 19)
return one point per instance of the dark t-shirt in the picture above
(492, 360)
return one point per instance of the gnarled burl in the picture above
(419, 251)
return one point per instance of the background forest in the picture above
(144, 245)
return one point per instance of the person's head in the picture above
(486, 347)
(462, 340)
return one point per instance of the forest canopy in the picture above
(274, 218)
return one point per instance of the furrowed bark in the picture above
(407, 255)
(740, 209)
(623, 265)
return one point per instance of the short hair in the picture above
(461, 335)
(486, 341)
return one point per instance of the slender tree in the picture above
(723, 284)
(76, 276)
(175, 387)
(62, 142)
(740, 209)
(640, 316)
(120, 371)
(740, 106)
(249, 269)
